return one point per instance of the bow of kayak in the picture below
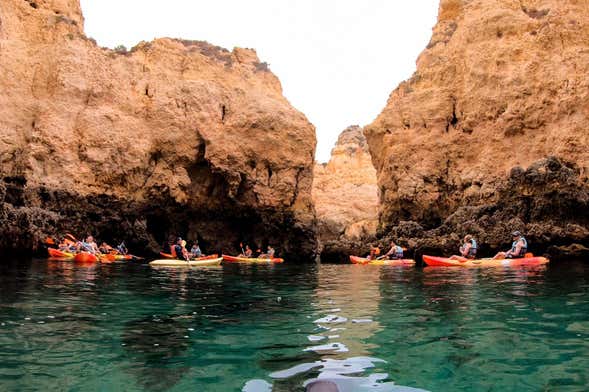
(60, 254)
(237, 259)
(184, 263)
(433, 261)
(85, 257)
(365, 261)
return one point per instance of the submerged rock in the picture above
(170, 137)
(490, 134)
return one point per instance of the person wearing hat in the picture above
(468, 250)
(519, 247)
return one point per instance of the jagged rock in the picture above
(490, 133)
(346, 197)
(171, 137)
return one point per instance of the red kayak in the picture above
(85, 257)
(365, 261)
(530, 259)
(241, 259)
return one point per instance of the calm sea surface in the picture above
(129, 327)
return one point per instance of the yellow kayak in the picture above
(184, 263)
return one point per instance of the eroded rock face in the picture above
(500, 94)
(346, 197)
(171, 137)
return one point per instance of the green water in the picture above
(132, 328)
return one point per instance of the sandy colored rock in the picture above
(346, 195)
(172, 137)
(502, 86)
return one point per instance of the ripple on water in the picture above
(334, 375)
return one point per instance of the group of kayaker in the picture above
(468, 250)
(249, 253)
(176, 247)
(70, 244)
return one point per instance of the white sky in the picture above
(338, 60)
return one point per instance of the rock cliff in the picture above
(346, 197)
(171, 137)
(491, 132)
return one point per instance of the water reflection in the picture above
(158, 346)
(345, 315)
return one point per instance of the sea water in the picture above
(280, 327)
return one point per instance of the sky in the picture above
(337, 60)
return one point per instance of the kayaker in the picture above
(395, 253)
(88, 245)
(122, 249)
(468, 249)
(247, 252)
(67, 245)
(518, 250)
(269, 254)
(178, 250)
(195, 250)
(105, 248)
(374, 252)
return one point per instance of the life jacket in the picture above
(173, 251)
(523, 249)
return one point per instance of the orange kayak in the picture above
(434, 261)
(238, 259)
(85, 257)
(109, 258)
(58, 253)
(365, 261)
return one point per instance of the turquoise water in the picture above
(256, 328)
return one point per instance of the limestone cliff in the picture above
(172, 137)
(491, 132)
(346, 197)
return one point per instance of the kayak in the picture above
(85, 257)
(238, 259)
(184, 263)
(108, 258)
(169, 256)
(58, 253)
(433, 261)
(365, 261)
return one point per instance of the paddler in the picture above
(89, 245)
(179, 251)
(105, 248)
(269, 253)
(122, 249)
(468, 249)
(395, 253)
(518, 250)
(67, 245)
(247, 252)
(374, 252)
(195, 250)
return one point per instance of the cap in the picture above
(516, 233)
